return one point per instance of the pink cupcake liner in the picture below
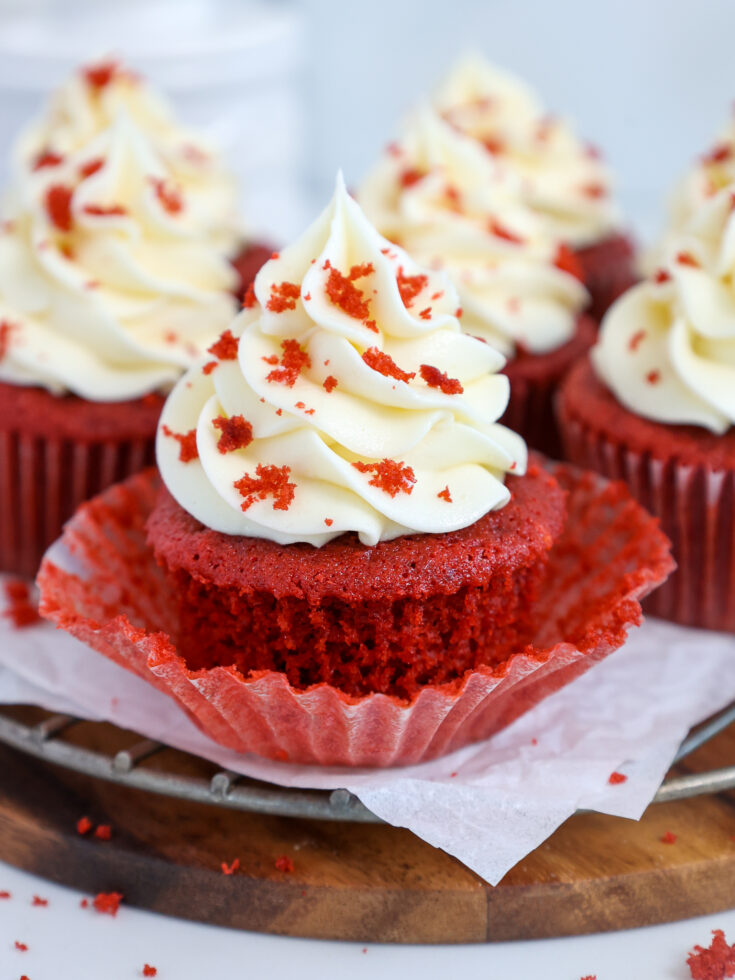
(695, 507)
(611, 554)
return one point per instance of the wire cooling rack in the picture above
(49, 740)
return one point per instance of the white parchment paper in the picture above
(489, 804)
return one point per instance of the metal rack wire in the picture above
(45, 740)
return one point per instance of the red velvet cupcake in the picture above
(563, 180)
(348, 564)
(655, 407)
(114, 277)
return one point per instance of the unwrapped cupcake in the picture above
(349, 560)
(564, 180)
(655, 406)
(443, 198)
(115, 276)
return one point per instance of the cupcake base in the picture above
(248, 263)
(56, 452)
(683, 474)
(608, 269)
(534, 379)
(608, 556)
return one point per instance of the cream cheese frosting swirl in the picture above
(91, 100)
(345, 397)
(108, 289)
(667, 346)
(443, 198)
(563, 179)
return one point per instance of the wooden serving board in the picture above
(369, 883)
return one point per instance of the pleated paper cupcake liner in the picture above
(101, 583)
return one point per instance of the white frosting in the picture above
(667, 347)
(313, 435)
(563, 179)
(108, 280)
(448, 203)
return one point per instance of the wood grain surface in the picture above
(362, 882)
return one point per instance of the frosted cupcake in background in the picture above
(655, 406)
(444, 199)
(564, 180)
(115, 275)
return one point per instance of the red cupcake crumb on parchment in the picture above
(616, 778)
(284, 864)
(22, 609)
(5, 894)
(21, 947)
(149, 971)
(715, 962)
(668, 838)
(39, 902)
(107, 903)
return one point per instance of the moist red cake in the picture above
(684, 474)
(421, 609)
(55, 452)
(607, 270)
(534, 379)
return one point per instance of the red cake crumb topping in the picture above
(686, 258)
(328, 521)
(47, 158)
(391, 476)
(567, 261)
(105, 210)
(21, 947)
(410, 176)
(445, 495)
(99, 76)
(271, 359)
(635, 341)
(438, 379)
(149, 971)
(39, 902)
(384, 364)
(187, 443)
(344, 293)
(209, 367)
(714, 963)
(269, 481)
(170, 198)
(662, 275)
(275, 255)
(235, 433)
(249, 299)
(425, 314)
(22, 610)
(458, 313)
(103, 832)
(230, 869)
(84, 825)
(653, 377)
(718, 154)
(58, 206)
(107, 903)
(284, 863)
(436, 296)
(91, 167)
(292, 362)
(590, 976)
(329, 383)
(453, 197)
(225, 348)
(410, 286)
(668, 838)
(500, 231)
(283, 297)
(493, 144)
(616, 778)
(594, 190)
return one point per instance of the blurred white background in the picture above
(296, 89)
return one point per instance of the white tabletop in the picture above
(66, 942)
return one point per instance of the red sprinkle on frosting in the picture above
(91, 167)
(187, 443)
(567, 261)
(686, 258)
(235, 433)
(170, 198)
(47, 158)
(445, 495)
(410, 286)
(249, 299)
(269, 481)
(384, 364)
(209, 367)
(635, 341)
(718, 154)
(425, 314)
(438, 379)
(662, 275)
(328, 521)
(500, 231)
(653, 377)
(283, 297)
(58, 206)
(410, 176)
(99, 76)
(293, 360)
(345, 294)
(594, 190)
(390, 475)
(330, 383)
(105, 210)
(225, 347)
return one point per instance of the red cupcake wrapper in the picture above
(695, 507)
(44, 479)
(610, 555)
